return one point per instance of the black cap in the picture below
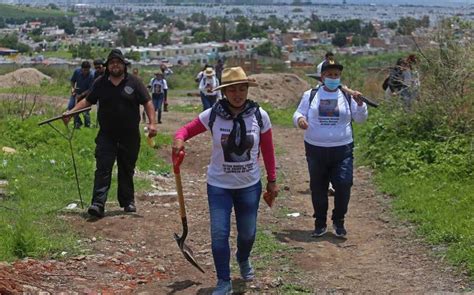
(331, 64)
(116, 53)
(98, 62)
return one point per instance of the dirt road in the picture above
(137, 254)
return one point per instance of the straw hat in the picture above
(233, 76)
(209, 72)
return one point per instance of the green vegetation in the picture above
(423, 154)
(28, 215)
(24, 12)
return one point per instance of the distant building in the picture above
(7, 51)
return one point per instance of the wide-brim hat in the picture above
(234, 76)
(116, 53)
(209, 72)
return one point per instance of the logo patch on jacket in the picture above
(129, 90)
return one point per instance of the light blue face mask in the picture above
(332, 84)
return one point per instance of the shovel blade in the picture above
(187, 252)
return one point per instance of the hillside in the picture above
(20, 12)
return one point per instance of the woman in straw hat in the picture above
(208, 88)
(239, 128)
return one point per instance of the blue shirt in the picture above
(83, 83)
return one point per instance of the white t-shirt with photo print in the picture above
(329, 118)
(233, 168)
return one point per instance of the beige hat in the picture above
(209, 72)
(233, 76)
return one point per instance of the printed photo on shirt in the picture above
(328, 108)
(236, 152)
(328, 112)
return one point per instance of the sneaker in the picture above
(319, 231)
(246, 271)
(339, 229)
(222, 288)
(130, 208)
(96, 210)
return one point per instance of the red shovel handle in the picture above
(177, 160)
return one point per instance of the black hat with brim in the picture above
(331, 64)
(116, 53)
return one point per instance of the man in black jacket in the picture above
(120, 96)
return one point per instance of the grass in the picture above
(28, 216)
(430, 183)
(64, 54)
(48, 89)
(441, 209)
(20, 12)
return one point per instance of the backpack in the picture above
(212, 118)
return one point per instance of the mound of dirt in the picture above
(23, 77)
(281, 90)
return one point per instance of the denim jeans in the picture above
(157, 99)
(245, 202)
(330, 164)
(77, 119)
(207, 101)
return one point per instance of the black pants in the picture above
(125, 150)
(335, 165)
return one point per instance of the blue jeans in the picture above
(245, 201)
(207, 101)
(157, 99)
(77, 119)
(330, 164)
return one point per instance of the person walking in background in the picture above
(99, 70)
(200, 75)
(166, 71)
(118, 139)
(207, 88)
(327, 120)
(411, 79)
(159, 90)
(81, 82)
(219, 68)
(239, 130)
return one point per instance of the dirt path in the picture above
(136, 253)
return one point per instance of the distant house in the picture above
(7, 51)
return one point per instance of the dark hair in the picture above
(98, 62)
(85, 65)
(328, 54)
(400, 61)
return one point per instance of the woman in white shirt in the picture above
(240, 130)
(327, 118)
(207, 88)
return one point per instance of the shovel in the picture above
(188, 253)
